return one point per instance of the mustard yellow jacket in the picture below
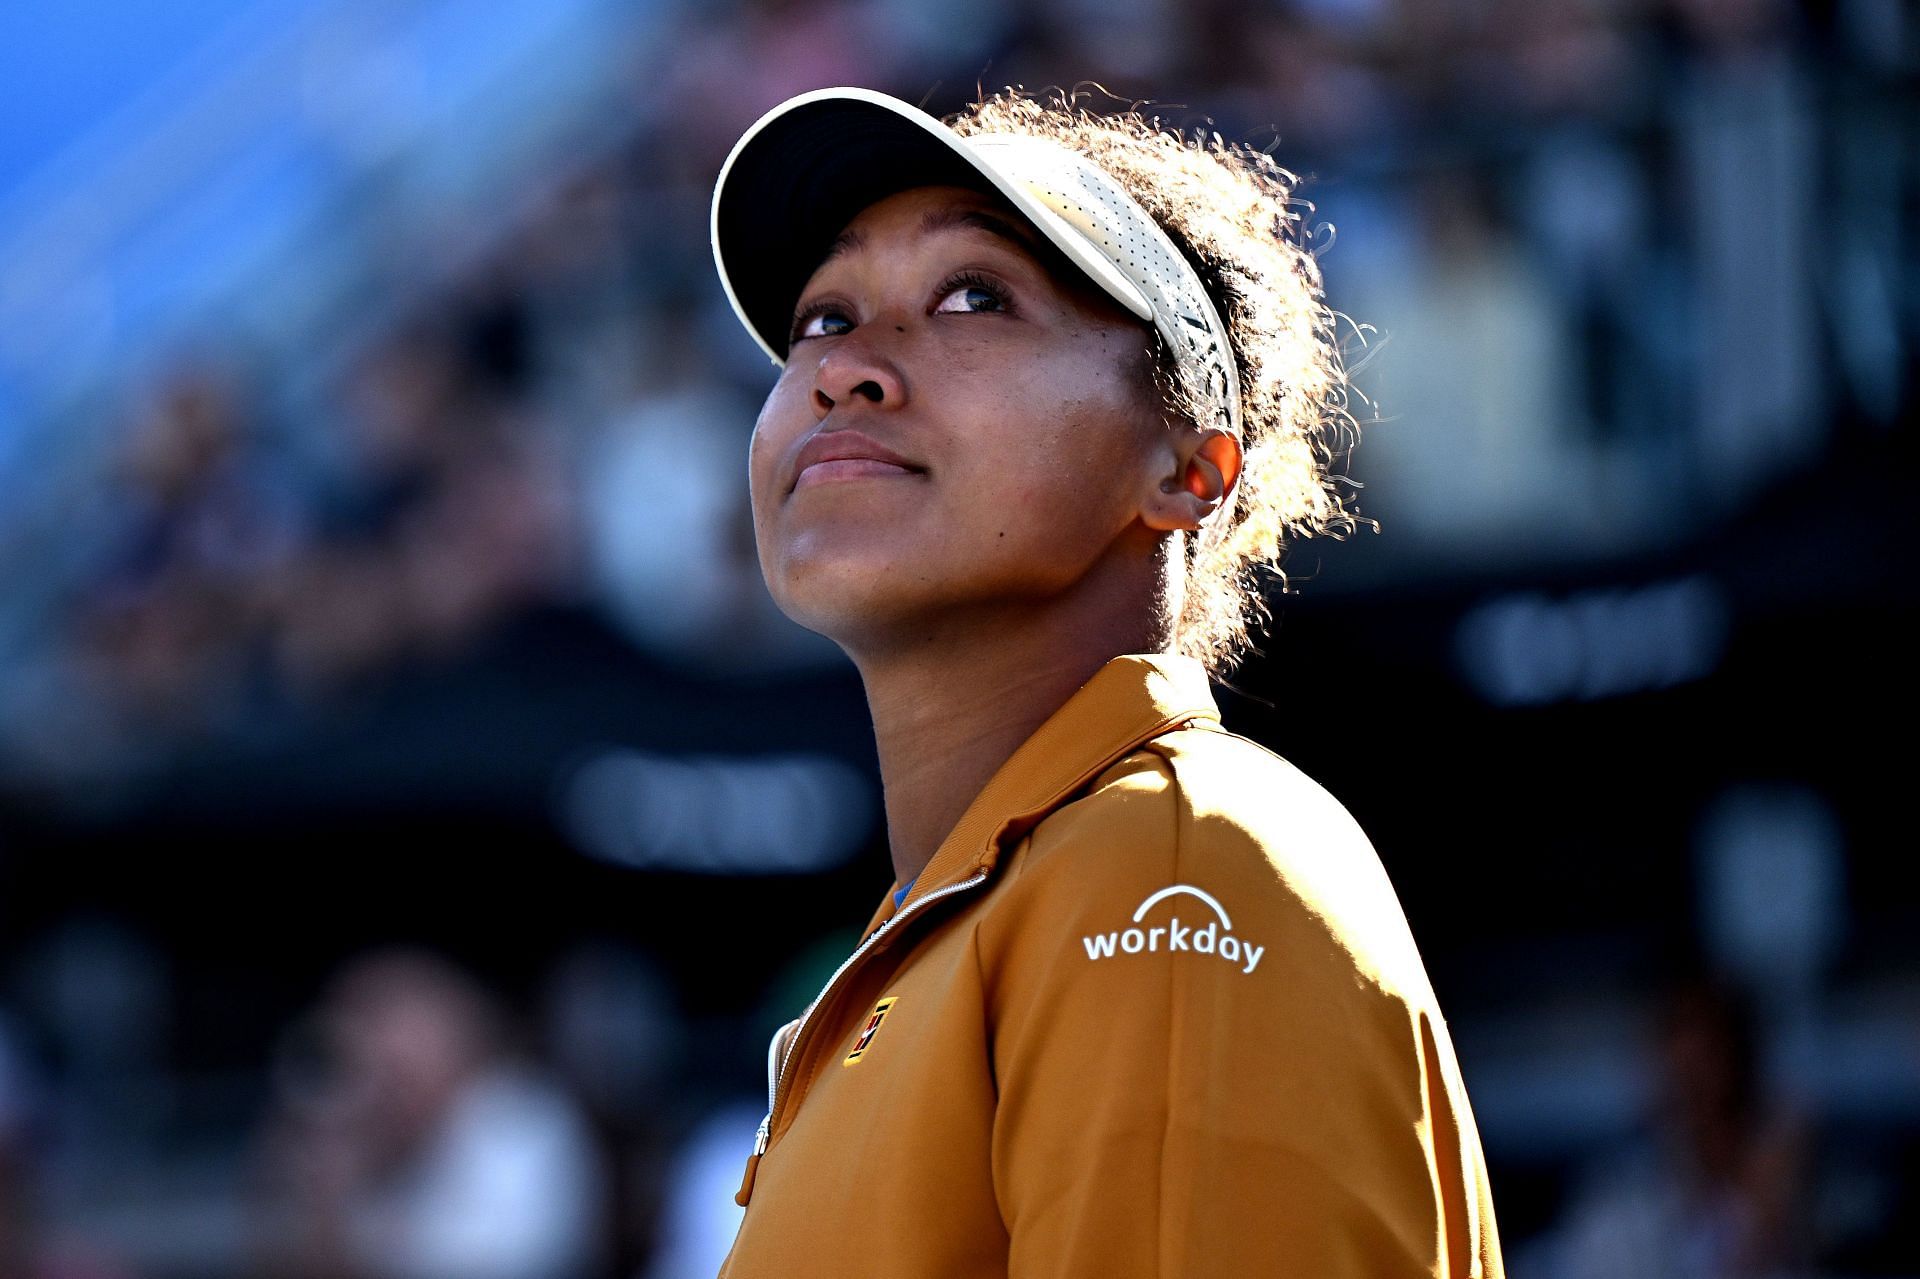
(1152, 1009)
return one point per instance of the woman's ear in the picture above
(1206, 467)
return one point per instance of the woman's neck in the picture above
(950, 708)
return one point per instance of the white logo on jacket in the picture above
(1211, 938)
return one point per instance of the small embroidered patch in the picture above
(878, 1015)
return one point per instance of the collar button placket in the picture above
(795, 1030)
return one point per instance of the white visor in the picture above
(805, 169)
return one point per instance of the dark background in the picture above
(372, 516)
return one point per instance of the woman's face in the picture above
(1014, 403)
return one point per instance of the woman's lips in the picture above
(847, 468)
(843, 444)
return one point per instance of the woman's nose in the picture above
(855, 368)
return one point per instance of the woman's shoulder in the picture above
(1227, 783)
(1211, 790)
(1211, 814)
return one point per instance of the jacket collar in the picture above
(1130, 700)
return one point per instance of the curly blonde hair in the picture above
(1231, 211)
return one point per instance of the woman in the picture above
(1054, 387)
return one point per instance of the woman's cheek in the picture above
(1037, 517)
(757, 495)
(764, 450)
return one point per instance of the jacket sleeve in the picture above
(1211, 1060)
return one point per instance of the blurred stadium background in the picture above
(414, 817)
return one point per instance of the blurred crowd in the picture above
(230, 590)
(413, 1123)
(1627, 246)
(416, 1126)
(1603, 338)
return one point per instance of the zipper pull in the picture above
(753, 1163)
(742, 1195)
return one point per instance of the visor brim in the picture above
(810, 165)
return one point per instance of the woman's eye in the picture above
(974, 297)
(820, 324)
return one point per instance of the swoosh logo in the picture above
(1165, 893)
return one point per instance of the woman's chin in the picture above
(844, 595)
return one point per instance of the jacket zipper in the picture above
(776, 1076)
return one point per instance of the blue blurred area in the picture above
(391, 706)
(164, 199)
(74, 70)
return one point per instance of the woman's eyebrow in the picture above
(847, 241)
(948, 218)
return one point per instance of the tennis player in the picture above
(1055, 389)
